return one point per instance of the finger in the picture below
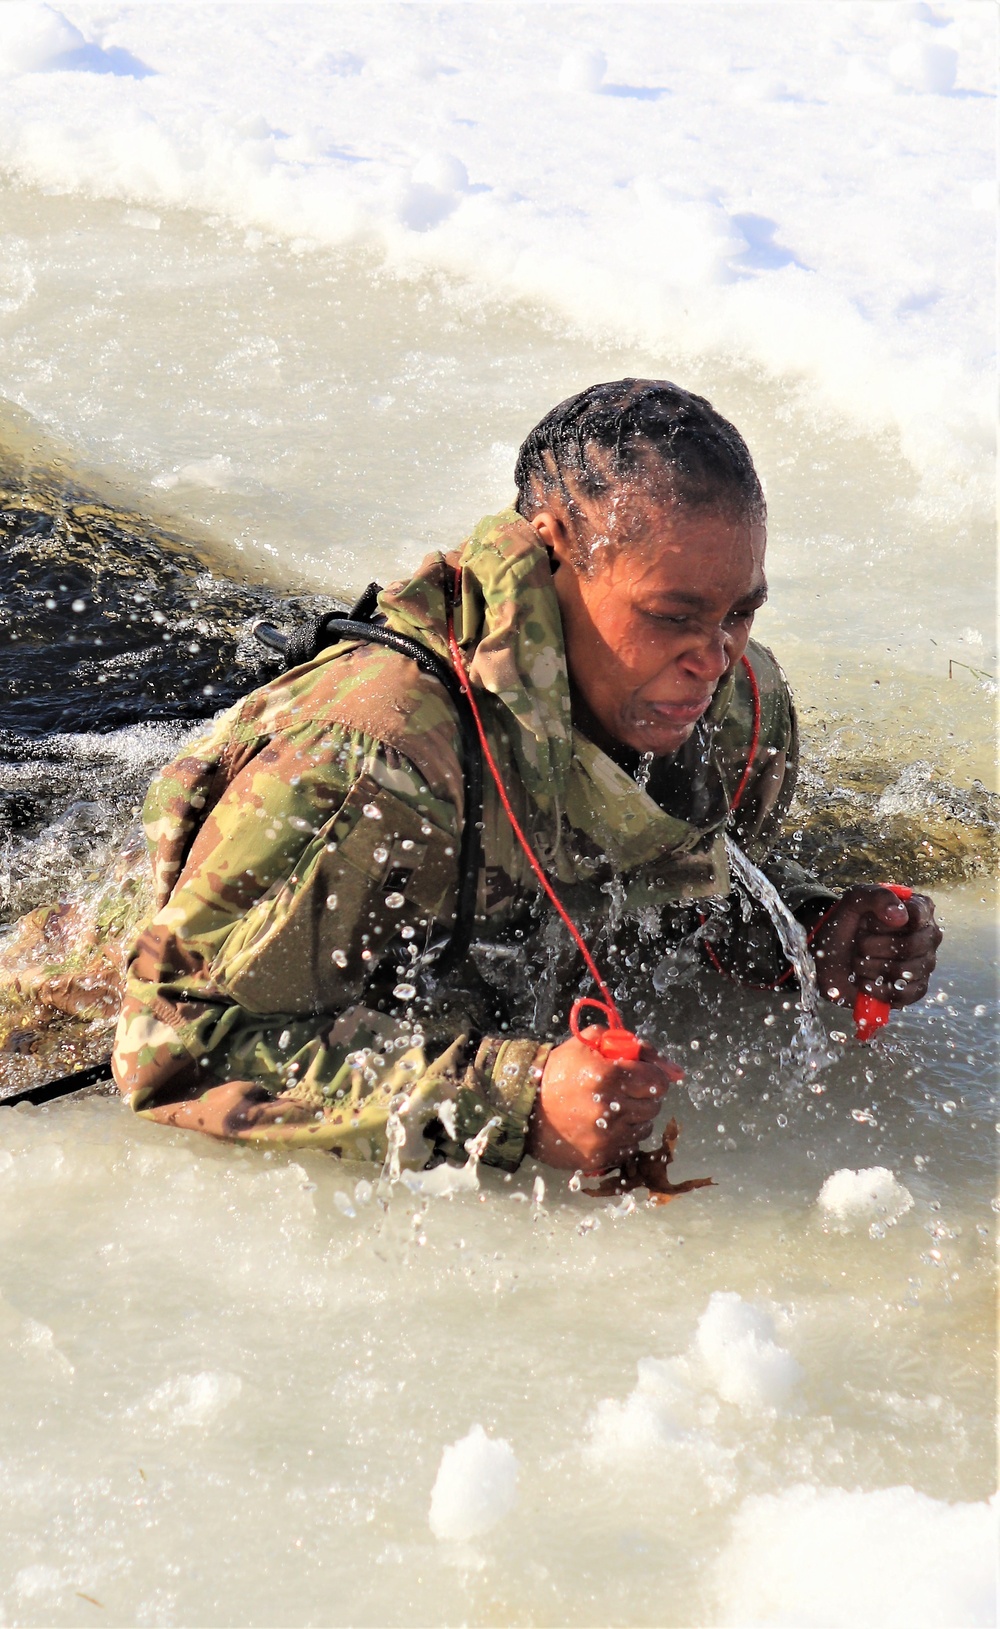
(921, 912)
(639, 1081)
(873, 967)
(886, 947)
(884, 907)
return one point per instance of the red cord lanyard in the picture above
(616, 1041)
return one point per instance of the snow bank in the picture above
(819, 1558)
(804, 188)
(476, 1487)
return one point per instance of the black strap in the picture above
(305, 644)
(51, 1089)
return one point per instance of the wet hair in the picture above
(592, 443)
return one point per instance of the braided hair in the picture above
(593, 442)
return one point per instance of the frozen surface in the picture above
(303, 277)
(809, 189)
(811, 1558)
(234, 1385)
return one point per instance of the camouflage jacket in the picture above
(305, 855)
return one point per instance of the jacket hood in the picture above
(508, 624)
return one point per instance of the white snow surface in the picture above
(819, 1558)
(475, 1487)
(808, 188)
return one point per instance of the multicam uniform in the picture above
(306, 856)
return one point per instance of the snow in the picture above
(737, 1343)
(805, 189)
(475, 1488)
(871, 1195)
(818, 1558)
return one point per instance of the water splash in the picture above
(642, 772)
(811, 1047)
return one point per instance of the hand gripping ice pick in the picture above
(871, 1014)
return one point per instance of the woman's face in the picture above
(661, 613)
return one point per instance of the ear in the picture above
(551, 529)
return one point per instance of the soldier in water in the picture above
(319, 858)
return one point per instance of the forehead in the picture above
(662, 548)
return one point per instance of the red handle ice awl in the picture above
(615, 1042)
(871, 1014)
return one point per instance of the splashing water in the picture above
(642, 772)
(811, 1047)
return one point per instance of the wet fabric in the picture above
(305, 855)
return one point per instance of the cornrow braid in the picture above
(592, 441)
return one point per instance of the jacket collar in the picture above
(508, 623)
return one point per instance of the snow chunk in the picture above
(748, 1367)
(583, 70)
(922, 65)
(476, 1487)
(872, 1194)
(195, 1399)
(891, 1559)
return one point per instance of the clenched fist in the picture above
(592, 1112)
(877, 943)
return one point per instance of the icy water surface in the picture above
(227, 1382)
(228, 1379)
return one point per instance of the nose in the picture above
(709, 655)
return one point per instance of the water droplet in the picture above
(949, 1107)
(407, 932)
(404, 992)
(574, 1184)
(79, 605)
(425, 830)
(395, 902)
(372, 811)
(331, 902)
(380, 854)
(538, 1191)
(339, 958)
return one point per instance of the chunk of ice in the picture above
(871, 1194)
(736, 1342)
(476, 1487)
(195, 1399)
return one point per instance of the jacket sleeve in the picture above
(289, 957)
